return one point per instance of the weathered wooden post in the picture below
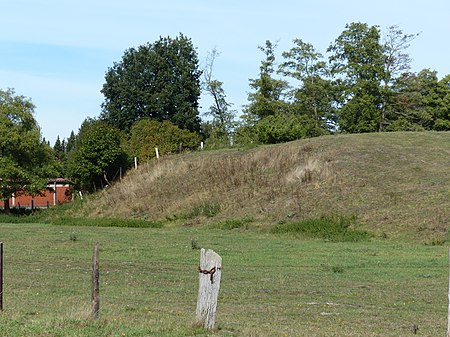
(448, 316)
(95, 283)
(1, 276)
(210, 270)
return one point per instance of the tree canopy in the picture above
(97, 156)
(147, 134)
(26, 161)
(362, 84)
(159, 80)
(267, 98)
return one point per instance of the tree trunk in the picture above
(7, 208)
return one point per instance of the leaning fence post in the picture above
(1, 276)
(95, 283)
(210, 270)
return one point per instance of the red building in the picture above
(57, 192)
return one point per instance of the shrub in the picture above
(147, 134)
(284, 127)
(234, 223)
(337, 229)
(106, 222)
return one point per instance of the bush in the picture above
(148, 134)
(97, 157)
(206, 209)
(22, 215)
(285, 127)
(234, 223)
(336, 229)
(106, 222)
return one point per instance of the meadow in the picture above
(343, 235)
(273, 283)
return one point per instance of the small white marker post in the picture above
(210, 270)
(157, 153)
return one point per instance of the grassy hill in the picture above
(394, 184)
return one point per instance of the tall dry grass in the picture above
(386, 180)
(266, 181)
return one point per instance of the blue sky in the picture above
(56, 52)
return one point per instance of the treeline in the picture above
(363, 84)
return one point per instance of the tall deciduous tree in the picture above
(313, 94)
(26, 161)
(267, 98)
(159, 81)
(397, 63)
(422, 102)
(358, 63)
(222, 115)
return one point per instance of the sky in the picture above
(56, 52)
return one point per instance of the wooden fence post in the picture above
(1, 276)
(95, 283)
(448, 316)
(210, 270)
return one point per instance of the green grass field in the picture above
(272, 284)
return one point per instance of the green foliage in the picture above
(422, 101)
(358, 54)
(314, 94)
(18, 216)
(234, 223)
(97, 156)
(266, 99)
(106, 222)
(360, 114)
(159, 80)
(206, 209)
(222, 123)
(215, 136)
(245, 133)
(70, 144)
(358, 64)
(194, 244)
(73, 237)
(146, 135)
(285, 127)
(337, 229)
(26, 161)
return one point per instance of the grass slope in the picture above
(272, 285)
(395, 184)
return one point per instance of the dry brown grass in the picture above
(395, 183)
